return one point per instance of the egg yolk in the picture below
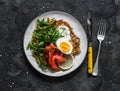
(65, 47)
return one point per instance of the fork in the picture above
(100, 37)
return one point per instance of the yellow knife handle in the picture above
(90, 60)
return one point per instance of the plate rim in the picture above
(61, 12)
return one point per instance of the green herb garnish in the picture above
(45, 33)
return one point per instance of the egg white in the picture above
(64, 30)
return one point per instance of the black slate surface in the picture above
(16, 74)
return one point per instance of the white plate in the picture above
(78, 30)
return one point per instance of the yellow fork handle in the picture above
(90, 60)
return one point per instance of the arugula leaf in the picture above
(45, 33)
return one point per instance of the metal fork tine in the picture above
(99, 29)
(104, 29)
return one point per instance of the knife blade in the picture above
(90, 48)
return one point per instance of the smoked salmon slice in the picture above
(54, 56)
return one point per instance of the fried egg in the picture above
(64, 45)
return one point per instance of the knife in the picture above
(90, 48)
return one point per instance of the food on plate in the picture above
(74, 39)
(54, 44)
(64, 45)
(67, 64)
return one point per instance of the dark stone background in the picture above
(16, 74)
